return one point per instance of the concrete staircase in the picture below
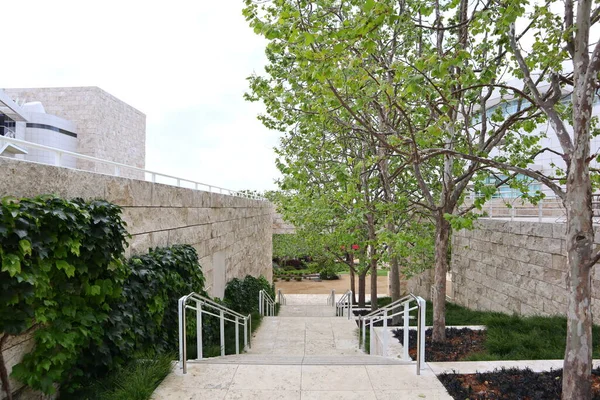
(306, 352)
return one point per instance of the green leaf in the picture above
(25, 246)
(11, 264)
(65, 266)
(308, 38)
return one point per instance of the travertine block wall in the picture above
(233, 236)
(238, 229)
(107, 128)
(420, 285)
(282, 227)
(513, 266)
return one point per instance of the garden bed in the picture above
(459, 344)
(510, 384)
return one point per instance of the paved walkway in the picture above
(306, 353)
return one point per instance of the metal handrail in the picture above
(59, 153)
(331, 298)
(344, 302)
(224, 314)
(281, 298)
(266, 304)
(384, 313)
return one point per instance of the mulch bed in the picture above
(459, 344)
(511, 384)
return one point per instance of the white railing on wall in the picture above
(117, 169)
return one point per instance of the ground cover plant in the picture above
(136, 380)
(510, 384)
(507, 337)
(459, 344)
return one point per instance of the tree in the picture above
(409, 75)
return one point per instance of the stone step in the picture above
(260, 359)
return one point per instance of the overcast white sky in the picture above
(183, 63)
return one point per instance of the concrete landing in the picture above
(300, 382)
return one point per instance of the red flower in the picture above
(355, 247)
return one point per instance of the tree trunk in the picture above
(362, 286)
(395, 285)
(580, 248)
(373, 262)
(350, 262)
(442, 238)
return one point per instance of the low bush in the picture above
(241, 295)
(144, 319)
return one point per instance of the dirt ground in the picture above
(324, 287)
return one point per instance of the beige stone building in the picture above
(84, 120)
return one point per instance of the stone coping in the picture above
(471, 367)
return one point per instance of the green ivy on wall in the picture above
(61, 268)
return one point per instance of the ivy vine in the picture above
(61, 267)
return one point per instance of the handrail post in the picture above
(182, 335)
(385, 334)
(222, 323)
(350, 296)
(422, 336)
(181, 345)
(333, 296)
(199, 352)
(246, 332)
(237, 336)
(405, 332)
(371, 336)
(364, 333)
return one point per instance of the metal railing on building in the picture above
(117, 169)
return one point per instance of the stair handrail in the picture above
(384, 313)
(266, 304)
(344, 302)
(224, 314)
(391, 305)
(331, 298)
(281, 298)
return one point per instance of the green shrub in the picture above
(145, 318)
(329, 271)
(61, 270)
(242, 295)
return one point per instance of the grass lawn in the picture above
(512, 337)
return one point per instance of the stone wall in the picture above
(232, 235)
(420, 284)
(282, 227)
(107, 128)
(513, 267)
